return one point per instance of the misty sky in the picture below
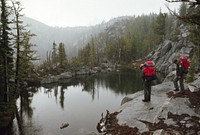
(89, 12)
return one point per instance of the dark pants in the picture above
(147, 90)
(181, 82)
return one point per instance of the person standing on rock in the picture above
(182, 66)
(148, 76)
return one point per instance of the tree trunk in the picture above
(18, 52)
(6, 88)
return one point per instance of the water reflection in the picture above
(23, 124)
(78, 102)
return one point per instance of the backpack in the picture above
(149, 69)
(185, 62)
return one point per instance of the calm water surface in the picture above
(79, 102)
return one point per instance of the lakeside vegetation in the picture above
(121, 43)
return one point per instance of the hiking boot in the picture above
(144, 100)
(176, 89)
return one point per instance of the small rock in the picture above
(188, 125)
(159, 132)
(64, 125)
(151, 108)
(182, 122)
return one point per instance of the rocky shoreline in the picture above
(168, 113)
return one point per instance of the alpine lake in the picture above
(77, 103)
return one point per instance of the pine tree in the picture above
(160, 26)
(62, 55)
(6, 51)
(54, 55)
(24, 53)
(183, 9)
(18, 41)
(27, 56)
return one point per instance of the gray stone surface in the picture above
(194, 86)
(135, 110)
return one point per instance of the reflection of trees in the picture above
(62, 97)
(89, 86)
(124, 82)
(25, 101)
(54, 88)
(25, 111)
(49, 88)
(56, 93)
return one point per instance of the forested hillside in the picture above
(73, 38)
(122, 40)
(129, 34)
(129, 39)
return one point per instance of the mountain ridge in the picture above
(74, 38)
(46, 35)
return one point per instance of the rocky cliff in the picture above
(168, 51)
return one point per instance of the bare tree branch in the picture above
(192, 2)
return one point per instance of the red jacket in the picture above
(149, 69)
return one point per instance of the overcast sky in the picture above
(89, 12)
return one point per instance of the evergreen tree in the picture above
(27, 56)
(93, 52)
(191, 72)
(183, 9)
(24, 52)
(85, 55)
(16, 9)
(192, 16)
(54, 55)
(62, 55)
(6, 51)
(160, 26)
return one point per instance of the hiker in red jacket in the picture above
(182, 66)
(148, 76)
